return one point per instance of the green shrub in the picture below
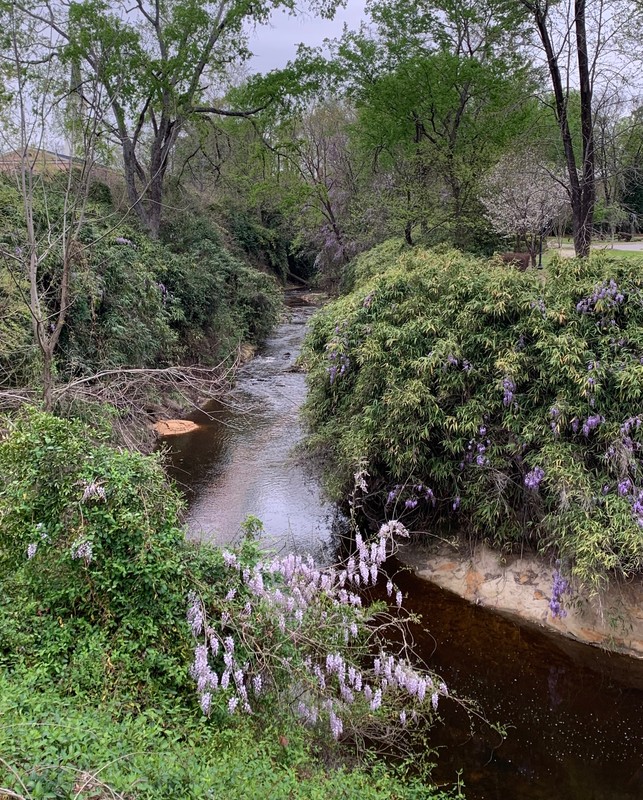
(91, 560)
(507, 403)
(218, 300)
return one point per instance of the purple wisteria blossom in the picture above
(591, 423)
(509, 387)
(82, 549)
(637, 507)
(606, 297)
(560, 586)
(392, 495)
(337, 353)
(477, 448)
(295, 597)
(93, 490)
(630, 424)
(533, 478)
(195, 614)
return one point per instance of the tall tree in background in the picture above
(583, 35)
(160, 62)
(441, 89)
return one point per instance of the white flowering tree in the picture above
(523, 197)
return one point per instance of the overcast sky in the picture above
(276, 44)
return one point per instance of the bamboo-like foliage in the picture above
(505, 403)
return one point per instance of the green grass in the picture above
(59, 747)
(604, 249)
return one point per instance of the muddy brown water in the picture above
(573, 714)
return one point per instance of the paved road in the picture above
(568, 249)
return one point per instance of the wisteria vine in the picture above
(287, 625)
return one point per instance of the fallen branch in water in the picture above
(138, 395)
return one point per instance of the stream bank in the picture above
(520, 586)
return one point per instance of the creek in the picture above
(573, 713)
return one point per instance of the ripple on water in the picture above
(242, 462)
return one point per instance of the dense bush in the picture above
(507, 403)
(146, 303)
(135, 302)
(90, 560)
(102, 598)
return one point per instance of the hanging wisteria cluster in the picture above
(534, 477)
(411, 495)
(477, 449)
(508, 389)
(560, 587)
(287, 625)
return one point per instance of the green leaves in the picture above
(91, 536)
(467, 375)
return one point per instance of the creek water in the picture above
(573, 714)
(242, 459)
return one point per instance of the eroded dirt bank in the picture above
(521, 587)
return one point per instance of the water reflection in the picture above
(573, 712)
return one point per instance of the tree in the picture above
(160, 63)
(322, 155)
(44, 255)
(585, 35)
(440, 89)
(523, 197)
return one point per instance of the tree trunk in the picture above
(131, 169)
(47, 378)
(582, 187)
(585, 223)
